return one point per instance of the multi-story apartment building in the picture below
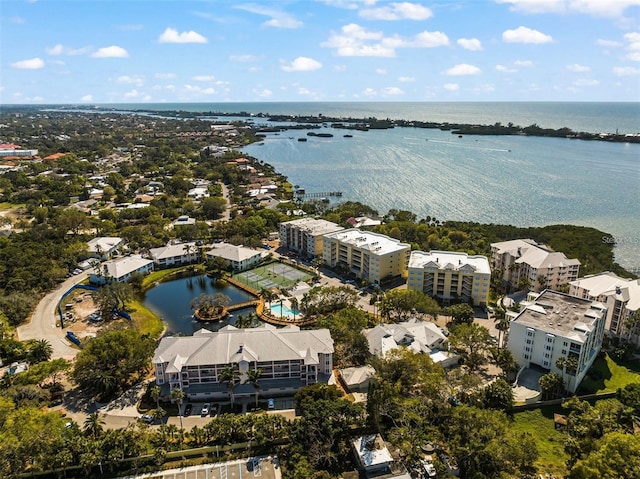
(450, 277)
(554, 326)
(622, 297)
(525, 261)
(369, 256)
(175, 254)
(288, 359)
(305, 235)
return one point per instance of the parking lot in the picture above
(266, 467)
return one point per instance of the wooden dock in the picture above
(321, 194)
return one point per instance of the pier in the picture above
(323, 194)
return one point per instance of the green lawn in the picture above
(145, 320)
(550, 442)
(608, 374)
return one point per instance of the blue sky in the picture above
(136, 51)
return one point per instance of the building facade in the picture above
(287, 359)
(554, 326)
(524, 262)
(369, 256)
(305, 235)
(450, 277)
(120, 270)
(239, 258)
(622, 297)
(175, 254)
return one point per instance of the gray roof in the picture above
(232, 345)
(419, 336)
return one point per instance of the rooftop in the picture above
(313, 226)
(610, 284)
(449, 260)
(368, 241)
(232, 252)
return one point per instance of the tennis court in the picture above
(274, 275)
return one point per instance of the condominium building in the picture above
(287, 359)
(175, 254)
(369, 256)
(450, 277)
(554, 326)
(121, 269)
(524, 262)
(239, 258)
(622, 297)
(305, 235)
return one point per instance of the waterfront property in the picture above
(104, 247)
(621, 295)
(174, 254)
(525, 264)
(305, 235)
(450, 277)
(556, 326)
(287, 359)
(372, 257)
(121, 269)
(239, 258)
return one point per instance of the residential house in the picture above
(554, 326)
(288, 359)
(369, 256)
(239, 258)
(622, 297)
(175, 254)
(104, 247)
(183, 220)
(450, 277)
(121, 269)
(374, 459)
(523, 262)
(305, 235)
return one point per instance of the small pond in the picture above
(171, 302)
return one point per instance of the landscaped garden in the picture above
(608, 374)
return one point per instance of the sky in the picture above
(153, 51)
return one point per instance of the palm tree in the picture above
(229, 375)
(632, 323)
(155, 395)
(178, 396)
(294, 306)
(502, 324)
(40, 351)
(253, 375)
(93, 425)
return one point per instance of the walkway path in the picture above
(44, 318)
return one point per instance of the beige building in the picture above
(450, 277)
(622, 297)
(305, 235)
(524, 260)
(370, 256)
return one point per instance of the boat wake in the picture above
(467, 146)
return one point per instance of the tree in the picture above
(632, 324)
(229, 375)
(177, 396)
(294, 306)
(399, 305)
(155, 394)
(94, 425)
(460, 313)
(328, 299)
(112, 297)
(252, 376)
(498, 395)
(470, 340)
(552, 385)
(210, 305)
(503, 323)
(39, 351)
(617, 457)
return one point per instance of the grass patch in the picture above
(159, 275)
(550, 442)
(145, 320)
(608, 374)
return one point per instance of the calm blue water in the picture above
(282, 310)
(171, 302)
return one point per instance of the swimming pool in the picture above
(278, 309)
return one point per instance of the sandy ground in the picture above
(82, 306)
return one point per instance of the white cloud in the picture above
(608, 43)
(523, 63)
(633, 46)
(397, 11)
(596, 8)
(165, 76)
(205, 78)
(392, 91)
(586, 82)
(17, 20)
(171, 35)
(132, 94)
(504, 69)
(244, 58)
(633, 56)
(472, 44)
(31, 64)
(525, 35)
(113, 51)
(56, 50)
(576, 68)
(463, 69)
(451, 86)
(340, 68)
(406, 79)
(279, 19)
(369, 92)
(626, 71)
(131, 80)
(87, 98)
(536, 6)
(266, 93)
(302, 64)
(381, 71)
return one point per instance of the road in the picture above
(43, 321)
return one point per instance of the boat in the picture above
(325, 200)
(348, 136)
(302, 139)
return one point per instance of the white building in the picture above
(369, 256)
(104, 247)
(183, 220)
(305, 235)
(374, 459)
(287, 357)
(622, 297)
(121, 269)
(239, 258)
(175, 254)
(419, 336)
(198, 193)
(449, 276)
(556, 325)
(525, 259)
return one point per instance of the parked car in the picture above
(214, 410)
(271, 404)
(205, 409)
(148, 418)
(187, 409)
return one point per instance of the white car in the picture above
(205, 409)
